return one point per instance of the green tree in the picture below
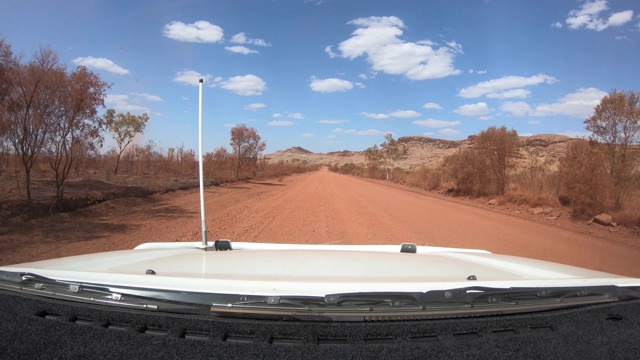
(247, 147)
(499, 147)
(386, 156)
(393, 152)
(124, 128)
(615, 123)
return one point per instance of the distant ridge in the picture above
(423, 150)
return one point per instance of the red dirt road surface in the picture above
(321, 208)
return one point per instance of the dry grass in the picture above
(528, 198)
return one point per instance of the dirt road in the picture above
(320, 207)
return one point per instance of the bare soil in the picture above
(322, 208)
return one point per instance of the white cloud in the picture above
(255, 106)
(369, 132)
(428, 133)
(190, 77)
(307, 135)
(277, 115)
(198, 32)
(280, 123)
(330, 52)
(363, 76)
(297, 116)
(510, 94)
(589, 17)
(238, 49)
(516, 108)
(535, 122)
(376, 38)
(121, 104)
(376, 116)
(404, 114)
(557, 25)
(100, 64)
(477, 109)
(432, 105)
(435, 123)
(480, 72)
(148, 97)
(495, 87)
(247, 85)
(241, 38)
(579, 104)
(334, 122)
(330, 85)
(448, 132)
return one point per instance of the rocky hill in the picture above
(543, 149)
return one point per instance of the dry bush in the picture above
(468, 171)
(519, 197)
(583, 180)
(425, 178)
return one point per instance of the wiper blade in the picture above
(471, 301)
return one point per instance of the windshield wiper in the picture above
(463, 302)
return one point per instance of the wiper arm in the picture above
(471, 301)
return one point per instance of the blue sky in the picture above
(338, 74)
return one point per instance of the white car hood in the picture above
(311, 270)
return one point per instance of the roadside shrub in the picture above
(583, 180)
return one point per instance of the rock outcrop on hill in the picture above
(543, 149)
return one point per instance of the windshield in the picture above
(508, 127)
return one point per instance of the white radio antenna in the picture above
(204, 224)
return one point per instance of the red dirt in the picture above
(323, 208)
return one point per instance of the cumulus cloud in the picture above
(280, 123)
(121, 103)
(247, 85)
(504, 86)
(307, 135)
(297, 116)
(516, 108)
(510, 94)
(100, 64)
(197, 32)
(241, 38)
(404, 114)
(377, 39)
(376, 116)
(190, 77)
(477, 109)
(590, 16)
(239, 49)
(255, 106)
(435, 123)
(148, 97)
(330, 85)
(579, 104)
(432, 106)
(369, 132)
(333, 122)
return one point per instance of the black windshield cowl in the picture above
(463, 302)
